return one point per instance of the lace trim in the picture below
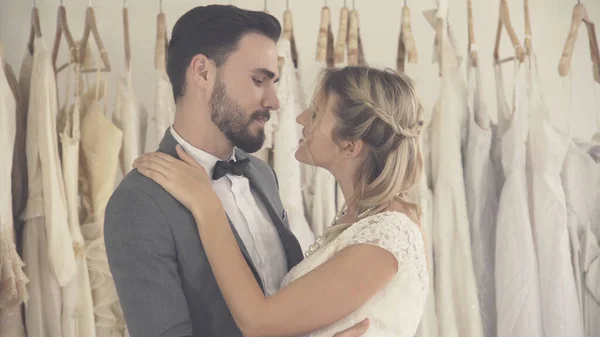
(13, 281)
(396, 233)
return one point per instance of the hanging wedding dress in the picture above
(547, 149)
(581, 180)
(126, 117)
(482, 199)
(455, 285)
(264, 153)
(406, 63)
(24, 84)
(518, 300)
(164, 103)
(286, 140)
(429, 323)
(164, 107)
(319, 184)
(499, 129)
(13, 290)
(78, 307)
(47, 250)
(19, 169)
(100, 143)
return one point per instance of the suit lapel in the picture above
(290, 243)
(167, 145)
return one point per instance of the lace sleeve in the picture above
(392, 231)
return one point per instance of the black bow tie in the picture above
(229, 167)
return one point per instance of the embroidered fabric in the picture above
(397, 309)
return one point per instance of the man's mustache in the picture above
(266, 114)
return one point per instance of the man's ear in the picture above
(198, 70)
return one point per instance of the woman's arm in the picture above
(323, 296)
(318, 299)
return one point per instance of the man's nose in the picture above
(271, 100)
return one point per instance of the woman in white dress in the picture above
(364, 128)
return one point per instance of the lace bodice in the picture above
(397, 309)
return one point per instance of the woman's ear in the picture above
(352, 148)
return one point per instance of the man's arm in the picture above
(142, 258)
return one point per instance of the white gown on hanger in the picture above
(546, 153)
(286, 142)
(164, 111)
(581, 180)
(429, 324)
(270, 128)
(12, 278)
(457, 303)
(78, 307)
(319, 195)
(482, 199)
(397, 309)
(518, 300)
(47, 244)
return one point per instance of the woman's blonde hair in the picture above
(381, 108)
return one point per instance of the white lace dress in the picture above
(397, 309)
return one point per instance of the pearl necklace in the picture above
(321, 240)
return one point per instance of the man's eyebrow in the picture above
(267, 73)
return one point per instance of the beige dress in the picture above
(99, 162)
(126, 117)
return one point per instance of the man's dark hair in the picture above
(214, 31)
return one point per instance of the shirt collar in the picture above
(202, 157)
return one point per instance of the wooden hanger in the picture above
(579, 15)
(472, 52)
(35, 30)
(504, 21)
(62, 28)
(126, 39)
(352, 51)
(361, 51)
(90, 26)
(406, 42)
(342, 37)
(355, 51)
(325, 40)
(288, 32)
(162, 41)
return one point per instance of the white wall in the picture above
(575, 96)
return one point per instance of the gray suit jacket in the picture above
(164, 281)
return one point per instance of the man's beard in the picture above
(229, 117)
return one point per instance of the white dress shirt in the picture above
(249, 217)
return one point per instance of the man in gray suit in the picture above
(223, 65)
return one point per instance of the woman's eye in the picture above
(257, 81)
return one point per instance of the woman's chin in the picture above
(299, 156)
